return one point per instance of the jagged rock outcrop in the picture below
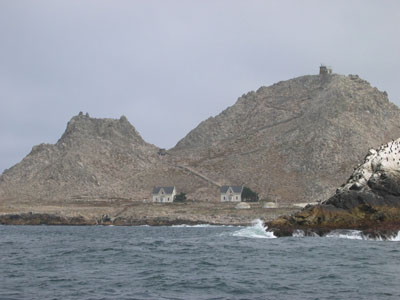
(294, 141)
(369, 200)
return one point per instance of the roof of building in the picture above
(237, 189)
(167, 189)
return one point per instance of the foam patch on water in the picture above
(257, 230)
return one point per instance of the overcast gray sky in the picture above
(187, 60)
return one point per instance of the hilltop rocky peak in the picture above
(295, 140)
(115, 130)
(314, 97)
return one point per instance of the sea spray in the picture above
(346, 234)
(257, 230)
(298, 233)
(352, 235)
(395, 238)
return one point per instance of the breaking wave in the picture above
(257, 230)
(348, 234)
(396, 238)
(298, 233)
(358, 235)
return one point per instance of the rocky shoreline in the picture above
(369, 201)
(138, 214)
(372, 222)
(49, 219)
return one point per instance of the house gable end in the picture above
(231, 190)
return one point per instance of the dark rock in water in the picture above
(374, 207)
(43, 219)
(105, 220)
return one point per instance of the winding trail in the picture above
(196, 173)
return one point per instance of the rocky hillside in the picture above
(95, 159)
(369, 200)
(294, 141)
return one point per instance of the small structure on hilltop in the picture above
(231, 193)
(162, 152)
(164, 194)
(323, 70)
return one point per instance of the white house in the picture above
(164, 194)
(231, 193)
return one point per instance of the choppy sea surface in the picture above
(192, 262)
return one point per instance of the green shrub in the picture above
(248, 195)
(181, 197)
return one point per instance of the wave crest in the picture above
(257, 230)
(358, 235)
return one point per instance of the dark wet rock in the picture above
(373, 207)
(43, 219)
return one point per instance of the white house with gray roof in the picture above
(231, 193)
(164, 194)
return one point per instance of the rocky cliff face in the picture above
(293, 141)
(369, 200)
(375, 182)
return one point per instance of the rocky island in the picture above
(369, 201)
(292, 142)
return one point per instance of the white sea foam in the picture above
(346, 234)
(298, 233)
(352, 235)
(395, 238)
(257, 230)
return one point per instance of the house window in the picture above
(224, 198)
(168, 198)
(236, 197)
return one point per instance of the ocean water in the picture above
(193, 262)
